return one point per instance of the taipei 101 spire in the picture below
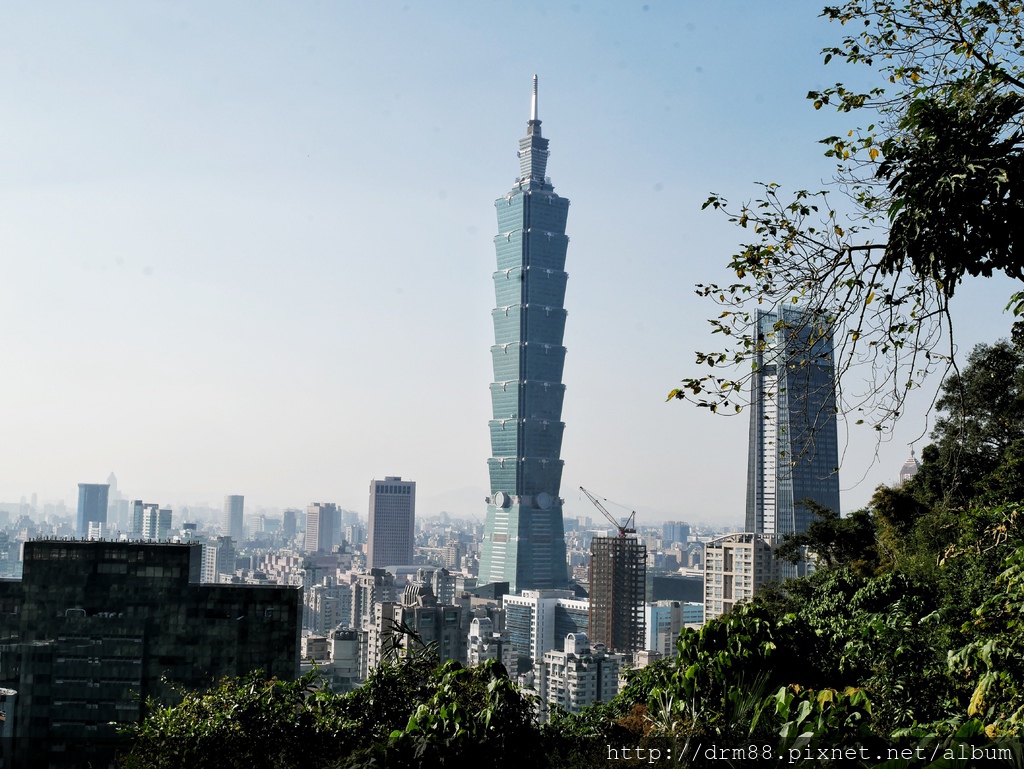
(524, 537)
(533, 106)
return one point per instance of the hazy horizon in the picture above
(249, 248)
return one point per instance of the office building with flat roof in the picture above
(92, 506)
(392, 527)
(540, 620)
(320, 522)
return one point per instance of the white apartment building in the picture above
(580, 675)
(328, 605)
(738, 565)
(487, 644)
(539, 620)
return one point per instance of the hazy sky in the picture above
(247, 247)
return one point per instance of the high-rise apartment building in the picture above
(327, 605)
(149, 521)
(673, 532)
(92, 506)
(486, 643)
(577, 676)
(233, 524)
(208, 573)
(524, 537)
(442, 627)
(738, 565)
(392, 523)
(320, 519)
(618, 578)
(540, 620)
(794, 445)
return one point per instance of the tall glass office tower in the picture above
(92, 506)
(794, 446)
(524, 538)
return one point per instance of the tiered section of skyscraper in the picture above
(524, 538)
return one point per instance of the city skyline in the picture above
(231, 235)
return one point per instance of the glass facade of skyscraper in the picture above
(794, 445)
(92, 506)
(524, 537)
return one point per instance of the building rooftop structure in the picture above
(909, 469)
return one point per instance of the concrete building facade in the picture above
(487, 643)
(737, 565)
(578, 676)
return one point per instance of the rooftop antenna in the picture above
(533, 107)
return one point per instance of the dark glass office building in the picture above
(92, 505)
(794, 446)
(93, 629)
(524, 538)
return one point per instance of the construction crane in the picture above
(627, 528)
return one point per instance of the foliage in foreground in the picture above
(408, 714)
(928, 194)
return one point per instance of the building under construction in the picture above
(618, 570)
(618, 576)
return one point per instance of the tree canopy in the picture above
(929, 193)
(906, 638)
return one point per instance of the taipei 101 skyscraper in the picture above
(524, 538)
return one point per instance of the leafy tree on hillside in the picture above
(981, 428)
(835, 541)
(408, 714)
(930, 193)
